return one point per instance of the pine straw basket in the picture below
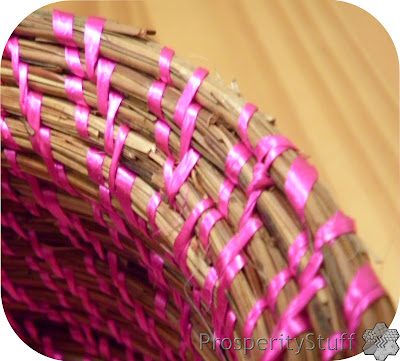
(147, 209)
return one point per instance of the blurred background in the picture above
(328, 71)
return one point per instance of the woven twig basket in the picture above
(150, 212)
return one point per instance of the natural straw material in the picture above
(147, 203)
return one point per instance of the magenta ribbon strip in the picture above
(114, 102)
(105, 68)
(188, 94)
(154, 98)
(74, 90)
(63, 27)
(298, 185)
(119, 144)
(237, 157)
(188, 127)
(162, 133)
(165, 64)
(243, 123)
(182, 241)
(92, 38)
(6, 135)
(174, 179)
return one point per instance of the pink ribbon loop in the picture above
(237, 244)
(165, 64)
(92, 38)
(243, 123)
(74, 90)
(207, 224)
(237, 157)
(364, 290)
(152, 207)
(82, 120)
(7, 137)
(174, 179)
(94, 163)
(23, 87)
(271, 147)
(188, 94)
(188, 127)
(105, 68)
(12, 50)
(297, 251)
(335, 227)
(162, 133)
(298, 185)
(34, 108)
(115, 100)
(154, 98)
(224, 196)
(73, 60)
(182, 241)
(123, 188)
(268, 301)
(119, 144)
(63, 27)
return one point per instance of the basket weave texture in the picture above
(147, 207)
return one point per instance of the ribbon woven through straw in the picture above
(120, 182)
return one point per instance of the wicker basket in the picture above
(150, 212)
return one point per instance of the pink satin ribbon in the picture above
(182, 241)
(8, 220)
(42, 144)
(154, 98)
(164, 62)
(114, 102)
(297, 251)
(206, 226)
(105, 68)
(12, 51)
(152, 207)
(298, 185)
(81, 120)
(363, 291)
(174, 179)
(224, 196)
(74, 90)
(94, 164)
(272, 146)
(7, 137)
(268, 301)
(243, 123)
(73, 59)
(338, 225)
(188, 94)
(119, 144)
(188, 127)
(237, 157)
(292, 323)
(162, 133)
(124, 182)
(92, 38)
(63, 27)
(237, 244)
(33, 110)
